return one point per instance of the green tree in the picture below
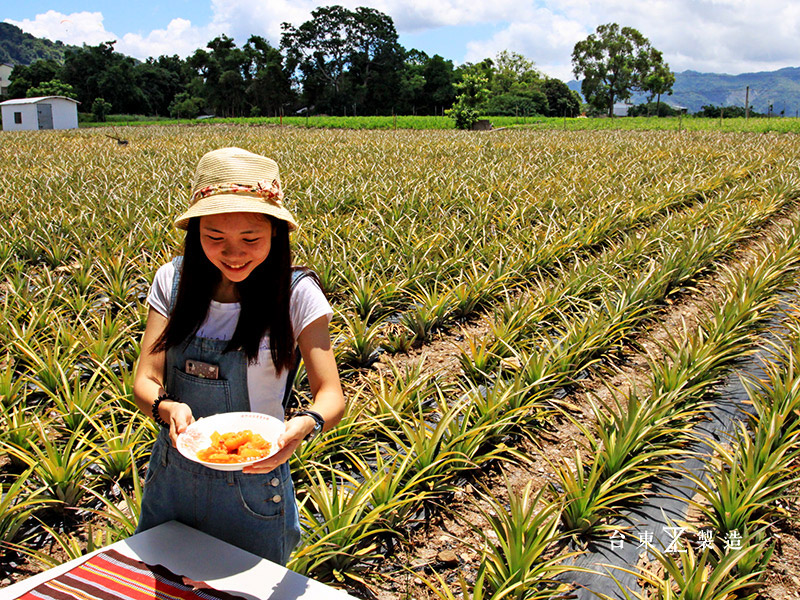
(515, 85)
(561, 101)
(225, 72)
(613, 62)
(472, 95)
(100, 109)
(485, 69)
(438, 89)
(160, 80)
(100, 72)
(514, 74)
(185, 106)
(427, 84)
(725, 112)
(230, 97)
(345, 59)
(34, 75)
(533, 102)
(54, 87)
(376, 64)
(269, 87)
(657, 80)
(412, 98)
(320, 52)
(650, 108)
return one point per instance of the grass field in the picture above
(756, 125)
(526, 263)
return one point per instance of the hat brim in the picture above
(229, 203)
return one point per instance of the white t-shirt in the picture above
(307, 304)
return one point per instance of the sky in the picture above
(721, 36)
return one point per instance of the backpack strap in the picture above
(289, 401)
(178, 262)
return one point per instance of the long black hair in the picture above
(263, 297)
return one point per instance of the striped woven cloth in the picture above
(111, 576)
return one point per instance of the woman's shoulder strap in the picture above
(289, 401)
(300, 273)
(176, 279)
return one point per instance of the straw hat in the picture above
(235, 180)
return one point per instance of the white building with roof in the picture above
(45, 112)
(621, 109)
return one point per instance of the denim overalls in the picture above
(257, 513)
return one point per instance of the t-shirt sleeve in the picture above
(160, 291)
(308, 304)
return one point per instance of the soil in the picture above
(783, 577)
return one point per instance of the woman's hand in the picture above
(179, 418)
(296, 431)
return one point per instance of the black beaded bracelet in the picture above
(156, 416)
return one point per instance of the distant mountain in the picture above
(20, 48)
(692, 90)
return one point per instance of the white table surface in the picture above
(193, 554)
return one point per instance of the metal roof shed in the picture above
(45, 112)
(621, 109)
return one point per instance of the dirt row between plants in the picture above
(449, 546)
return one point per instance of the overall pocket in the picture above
(206, 397)
(264, 496)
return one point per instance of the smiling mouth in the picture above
(236, 267)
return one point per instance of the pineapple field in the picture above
(532, 329)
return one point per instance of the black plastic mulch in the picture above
(653, 520)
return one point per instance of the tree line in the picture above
(347, 62)
(340, 62)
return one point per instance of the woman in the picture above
(221, 333)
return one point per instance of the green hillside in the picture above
(781, 89)
(20, 48)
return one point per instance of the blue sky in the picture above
(730, 36)
(124, 17)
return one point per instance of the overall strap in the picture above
(289, 401)
(297, 276)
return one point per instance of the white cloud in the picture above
(76, 28)
(180, 37)
(704, 35)
(412, 16)
(546, 38)
(731, 36)
(245, 17)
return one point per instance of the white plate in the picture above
(198, 435)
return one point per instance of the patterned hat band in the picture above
(270, 191)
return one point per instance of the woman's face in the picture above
(236, 243)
